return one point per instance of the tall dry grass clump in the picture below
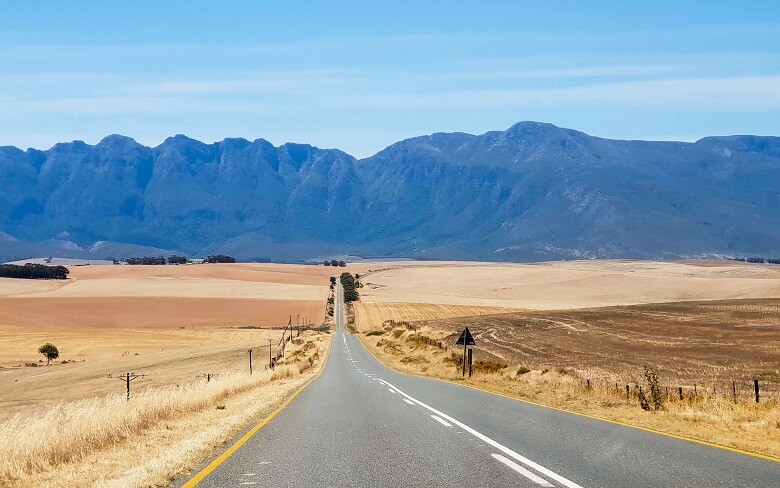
(67, 432)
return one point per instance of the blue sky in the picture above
(362, 75)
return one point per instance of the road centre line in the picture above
(441, 421)
(409, 401)
(517, 457)
(516, 467)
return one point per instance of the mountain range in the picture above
(532, 192)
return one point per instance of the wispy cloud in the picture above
(743, 93)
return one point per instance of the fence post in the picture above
(695, 393)
(734, 390)
(627, 393)
(755, 386)
(588, 387)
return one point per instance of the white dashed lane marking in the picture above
(442, 417)
(516, 467)
(441, 421)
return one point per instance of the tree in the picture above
(50, 351)
(33, 271)
(342, 264)
(327, 263)
(220, 258)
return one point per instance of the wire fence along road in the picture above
(361, 424)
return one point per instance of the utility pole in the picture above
(208, 376)
(127, 378)
(270, 361)
(250, 361)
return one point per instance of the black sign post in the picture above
(467, 340)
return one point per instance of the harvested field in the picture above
(569, 284)
(704, 343)
(372, 315)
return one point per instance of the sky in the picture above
(359, 76)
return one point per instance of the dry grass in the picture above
(67, 437)
(715, 418)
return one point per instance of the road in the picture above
(361, 424)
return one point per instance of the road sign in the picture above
(465, 339)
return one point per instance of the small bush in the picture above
(642, 399)
(545, 371)
(655, 389)
(489, 367)
(523, 370)
(414, 360)
(375, 333)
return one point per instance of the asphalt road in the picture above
(361, 424)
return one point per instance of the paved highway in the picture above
(361, 424)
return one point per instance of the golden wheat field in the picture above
(372, 315)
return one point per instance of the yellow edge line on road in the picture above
(616, 422)
(235, 447)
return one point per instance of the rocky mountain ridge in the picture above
(532, 192)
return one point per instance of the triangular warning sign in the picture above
(465, 339)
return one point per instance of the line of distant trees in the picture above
(147, 260)
(334, 262)
(32, 271)
(757, 260)
(161, 260)
(350, 285)
(220, 258)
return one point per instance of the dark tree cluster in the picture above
(350, 287)
(177, 260)
(34, 272)
(147, 260)
(220, 258)
(334, 262)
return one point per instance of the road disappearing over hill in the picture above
(361, 424)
